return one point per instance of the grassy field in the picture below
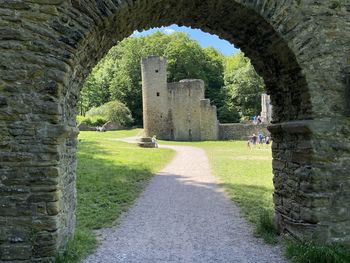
(110, 176)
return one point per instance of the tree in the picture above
(113, 111)
(243, 89)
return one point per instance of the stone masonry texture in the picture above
(48, 47)
(238, 131)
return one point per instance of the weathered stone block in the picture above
(15, 252)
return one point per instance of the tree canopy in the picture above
(230, 82)
(242, 90)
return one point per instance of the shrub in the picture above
(92, 121)
(80, 119)
(114, 111)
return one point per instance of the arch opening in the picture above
(41, 82)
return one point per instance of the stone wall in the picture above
(184, 104)
(209, 122)
(238, 131)
(174, 111)
(48, 48)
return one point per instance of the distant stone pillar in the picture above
(266, 108)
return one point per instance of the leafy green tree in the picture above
(214, 69)
(242, 91)
(114, 111)
(95, 91)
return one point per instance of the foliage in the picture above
(228, 113)
(118, 75)
(95, 90)
(307, 252)
(242, 91)
(92, 121)
(114, 111)
(108, 183)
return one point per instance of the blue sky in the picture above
(204, 39)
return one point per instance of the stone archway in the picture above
(48, 48)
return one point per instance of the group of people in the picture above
(258, 139)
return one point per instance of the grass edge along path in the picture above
(110, 176)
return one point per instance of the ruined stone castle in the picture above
(175, 111)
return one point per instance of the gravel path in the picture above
(183, 216)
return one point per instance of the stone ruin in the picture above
(175, 111)
(179, 111)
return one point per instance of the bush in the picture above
(227, 114)
(113, 111)
(93, 121)
(80, 119)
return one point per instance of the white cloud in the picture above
(168, 31)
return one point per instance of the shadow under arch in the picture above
(49, 47)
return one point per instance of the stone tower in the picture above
(155, 97)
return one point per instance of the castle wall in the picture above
(155, 97)
(184, 101)
(238, 131)
(209, 122)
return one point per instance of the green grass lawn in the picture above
(110, 176)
